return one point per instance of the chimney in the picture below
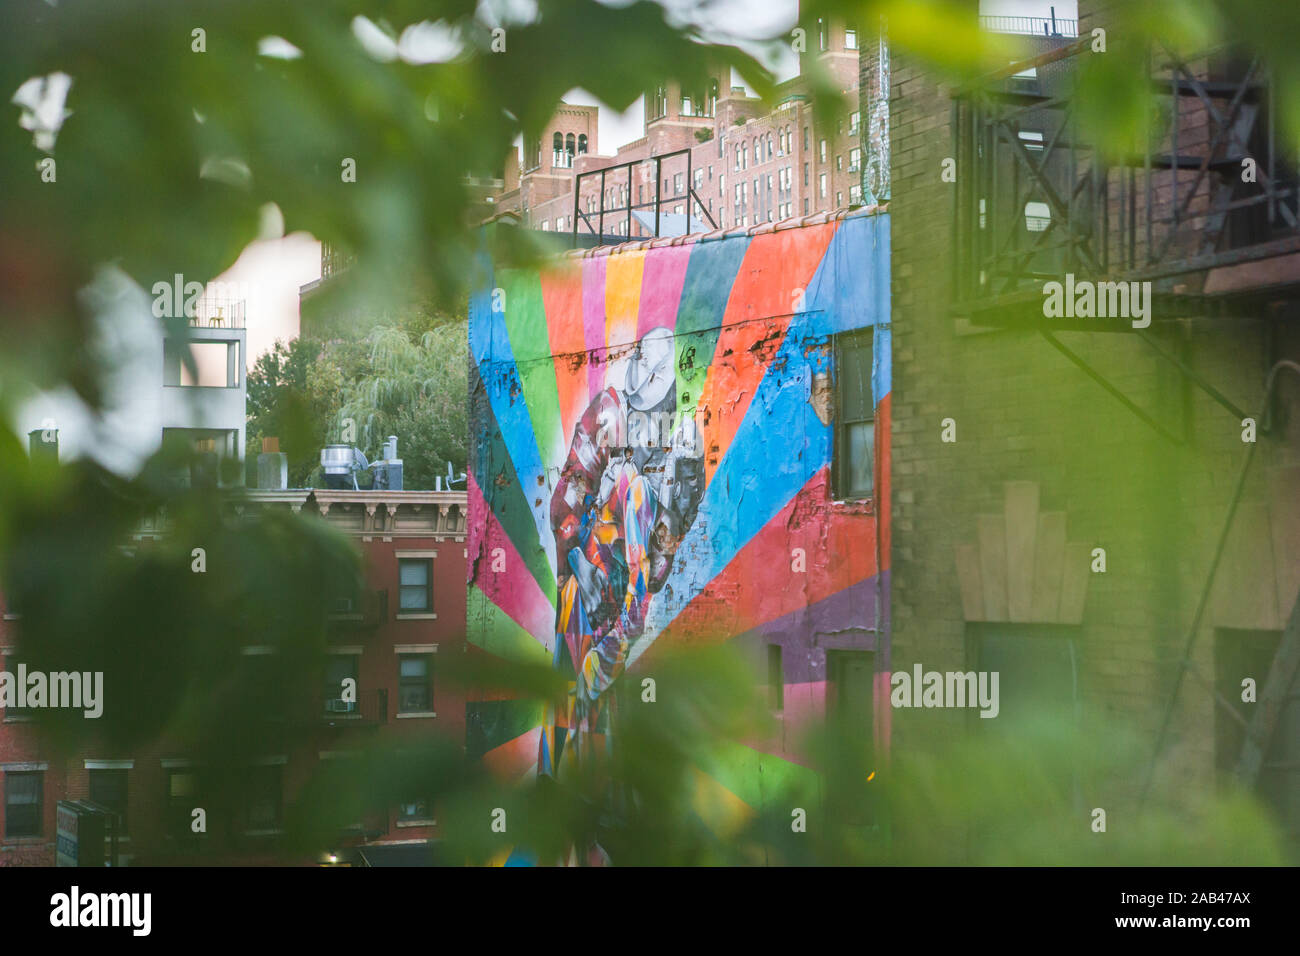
(272, 466)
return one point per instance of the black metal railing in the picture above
(1050, 26)
(619, 178)
(1035, 200)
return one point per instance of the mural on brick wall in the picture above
(652, 433)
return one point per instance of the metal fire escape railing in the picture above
(1280, 683)
(1214, 187)
(621, 177)
(1034, 201)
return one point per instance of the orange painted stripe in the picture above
(562, 301)
(514, 758)
(777, 267)
(622, 297)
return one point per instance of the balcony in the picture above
(1036, 201)
(1052, 26)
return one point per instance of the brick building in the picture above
(388, 638)
(744, 163)
(1023, 445)
(693, 429)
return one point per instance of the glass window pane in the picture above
(414, 599)
(414, 572)
(861, 448)
(855, 380)
(414, 666)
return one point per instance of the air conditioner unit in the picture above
(340, 706)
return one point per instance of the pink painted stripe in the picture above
(593, 321)
(661, 288)
(514, 590)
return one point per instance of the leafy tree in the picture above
(414, 388)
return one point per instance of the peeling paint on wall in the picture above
(616, 535)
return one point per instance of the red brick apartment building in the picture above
(389, 639)
(749, 163)
(1072, 438)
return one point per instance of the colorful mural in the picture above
(652, 439)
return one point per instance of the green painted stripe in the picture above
(526, 326)
(496, 632)
(491, 723)
(752, 775)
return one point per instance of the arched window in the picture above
(557, 150)
(582, 144)
(568, 147)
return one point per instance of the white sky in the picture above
(275, 269)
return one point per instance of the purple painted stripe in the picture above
(843, 621)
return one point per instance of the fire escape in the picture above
(1208, 212)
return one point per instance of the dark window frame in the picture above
(37, 827)
(428, 586)
(97, 795)
(425, 683)
(857, 342)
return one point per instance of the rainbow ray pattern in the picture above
(723, 339)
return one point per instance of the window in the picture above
(855, 427)
(415, 810)
(264, 797)
(821, 185)
(546, 225)
(855, 195)
(582, 144)
(850, 38)
(839, 200)
(658, 103)
(340, 668)
(855, 160)
(822, 39)
(415, 584)
(24, 801)
(559, 224)
(182, 798)
(108, 787)
(839, 163)
(821, 151)
(805, 137)
(1037, 684)
(805, 206)
(854, 118)
(1238, 655)
(805, 174)
(414, 691)
(775, 679)
(677, 184)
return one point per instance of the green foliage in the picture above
(148, 115)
